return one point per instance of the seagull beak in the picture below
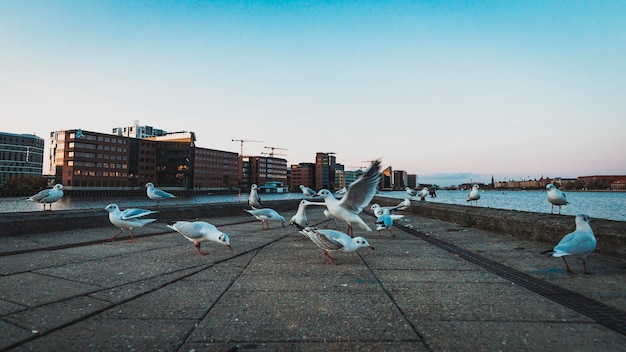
(229, 246)
(371, 247)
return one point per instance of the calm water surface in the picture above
(600, 205)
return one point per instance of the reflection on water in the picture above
(600, 205)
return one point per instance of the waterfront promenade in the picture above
(439, 286)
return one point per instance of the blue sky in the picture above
(452, 91)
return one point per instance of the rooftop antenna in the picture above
(242, 141)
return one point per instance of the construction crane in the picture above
(271, 153)
(242, 141)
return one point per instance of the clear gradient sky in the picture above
(452, 91)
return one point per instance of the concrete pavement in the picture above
(276, 292)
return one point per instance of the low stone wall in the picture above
(549, 228)
(12, 224)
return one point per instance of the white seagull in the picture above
(127, 219)
(254, 200)
(200, 231)
(358, 195)
(48, 196)
(334, 241)
(579, 243)
(423, 193)
(265, 215)
(474, 195)
(410, 192)
(405, 204)
(556, 197)
(157, 194)
(308, 192)
(300, 217)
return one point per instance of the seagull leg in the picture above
(200, 250)
(585, 266)
(350, 232)
(328, 257)
(113, 238)
(132, 237)
(567, 266)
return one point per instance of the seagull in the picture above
(127, 219)
(410, 192)
(200, 231)
(254, 200)
(157, 194)
(307, 191)
(358, 195)
(385, 221)
(423, 193)
(378, 211)
(48, 196)
(474, 195)
(579, 243)
(405, 204)
(333, 241)
(265, 215)
(300, 217)
(556, 197)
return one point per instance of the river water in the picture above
(600, 205)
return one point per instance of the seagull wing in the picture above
(321, 240)
(41, 195)
(135, 213)
(162, 193)
(361, 191)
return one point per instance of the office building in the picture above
(20, 155)
(85, 159)
(386, 179)
(400, 179)
(262, 169)
(325, 171)
(302, 174)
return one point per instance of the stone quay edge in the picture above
(549, 228)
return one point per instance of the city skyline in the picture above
(450, 92)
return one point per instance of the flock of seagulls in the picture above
(344, 206)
